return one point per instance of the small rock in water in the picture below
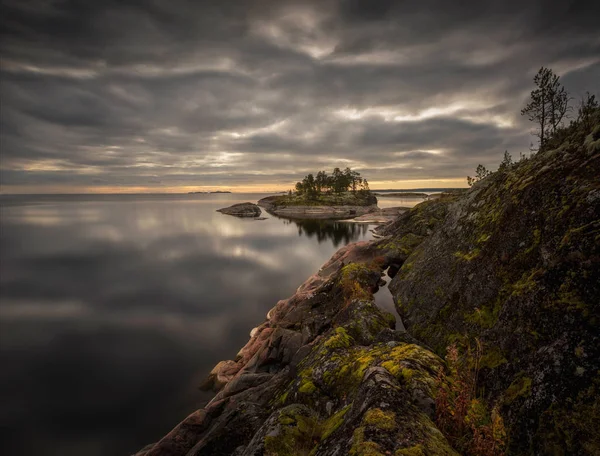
(241, 210)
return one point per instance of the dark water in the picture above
(113, 308)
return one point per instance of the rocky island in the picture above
(498, 288)
(326, 207)
(336, 196)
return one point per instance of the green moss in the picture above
(390, 319)
(399, 304)
(299, 433)
(483, 238)
(347, 367)
(366, 449)
(486, 316)
(527, 283)
(520, 387)
(333, 423)
(396, 369)
(354, 281)
(492, 358)
(283, 397)
(408, 374)
(360, 447)
(431, 441)
(575, 236)
(378, 322)
(392, 367)
(406, 267)
(306, 385)
(468, 256)
(340, 339)
(421, 436)
(354, 271)
(380, 419)
(347, 372)
(416, 450)
(537, 236)
(403, 245)
(286, 420)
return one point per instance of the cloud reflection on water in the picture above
(112, 310)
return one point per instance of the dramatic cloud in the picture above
(143, 95)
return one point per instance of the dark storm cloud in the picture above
(168, 93)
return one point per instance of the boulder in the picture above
(241, 210)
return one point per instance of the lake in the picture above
(113, 308)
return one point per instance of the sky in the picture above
(185, 95)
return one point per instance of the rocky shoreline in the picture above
(357, 214)
(509, 267)
(380, 216)
(278, 205)
(323, 212)
(296, 370)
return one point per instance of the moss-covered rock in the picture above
(515, 262)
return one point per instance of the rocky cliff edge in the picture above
(511, 267)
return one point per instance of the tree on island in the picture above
(337, 182)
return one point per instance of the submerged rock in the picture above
(242, 210)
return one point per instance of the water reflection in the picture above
(339, 233)
(112, 309)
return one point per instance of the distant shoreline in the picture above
(277, 192)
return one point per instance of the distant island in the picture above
(206, 193)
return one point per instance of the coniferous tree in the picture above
(480, 173)
(507, 161)
(587, 106)
(339, 182)
(558, 100)
(321, 181)
(548, 105)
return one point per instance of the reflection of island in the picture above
(338, 232)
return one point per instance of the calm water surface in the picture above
(114, 308)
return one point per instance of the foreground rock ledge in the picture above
(326, 373)
(242, 210)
